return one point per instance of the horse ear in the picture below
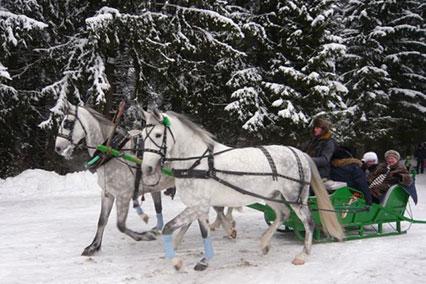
(145, 115)
(158, 115)
(67, 107)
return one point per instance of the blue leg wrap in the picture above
(208, 248)
(168, 246)
(160, 222)
(139, 210)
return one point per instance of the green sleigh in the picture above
(356, 217)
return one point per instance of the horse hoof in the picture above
(177, 263)
(233, 234)
(146, 236)
(298, 261)
(201, 265)
(150, 236)
(265, 250)
(89, 251)
(155, 231)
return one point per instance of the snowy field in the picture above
(47, 220)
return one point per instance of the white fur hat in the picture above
(370, 156)
(393, 153)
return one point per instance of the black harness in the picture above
(211, 172)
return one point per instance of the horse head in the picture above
(158, 140)
(70, 132)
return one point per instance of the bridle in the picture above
(162, 149)
(70, 125)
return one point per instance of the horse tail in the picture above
(330, 223)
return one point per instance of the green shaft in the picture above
(115, 153)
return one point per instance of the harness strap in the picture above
(197, 157)
(139, 145)
(245, 192)
(271, 162)
(301, 172)
(261, 174)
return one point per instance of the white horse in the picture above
(116, 177)
(208, 173)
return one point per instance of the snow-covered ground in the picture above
(46, 220)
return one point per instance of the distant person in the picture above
(420, 155)
(346, 168)
(322, 146)
(369, 162)
(407, 163)
(387, 174)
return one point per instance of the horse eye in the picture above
(68, 124)
(158, 135)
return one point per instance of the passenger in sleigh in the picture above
(387, 174)
(369, 162)
(346, 168)
(321, 146)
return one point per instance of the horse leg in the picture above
(186, 217)
(107, 201)
(122, 204)
(229, 214)
(217, 222)
(231, 220)
(223, 220)
(203, 221)
(265, 241)
(302, 211)
(156, 196)
(179, 236)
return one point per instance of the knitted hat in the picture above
(322, 123)
(392, 153)
(370, 156)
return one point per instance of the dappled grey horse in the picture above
(116, 177)
(208, 173)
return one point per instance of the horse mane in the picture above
(205, 135)
(103, 121)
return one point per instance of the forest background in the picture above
(251, 72)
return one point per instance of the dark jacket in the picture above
(321, 150)
(420, 152)
(398, 174)
(349, 170)
(368, 169)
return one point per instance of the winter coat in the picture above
(398, 174)
(349, 170)
(321, 150)
(368, 169)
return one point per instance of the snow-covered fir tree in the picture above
(18, 91)
(383, 69)
(297, 80)
(244, 69)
